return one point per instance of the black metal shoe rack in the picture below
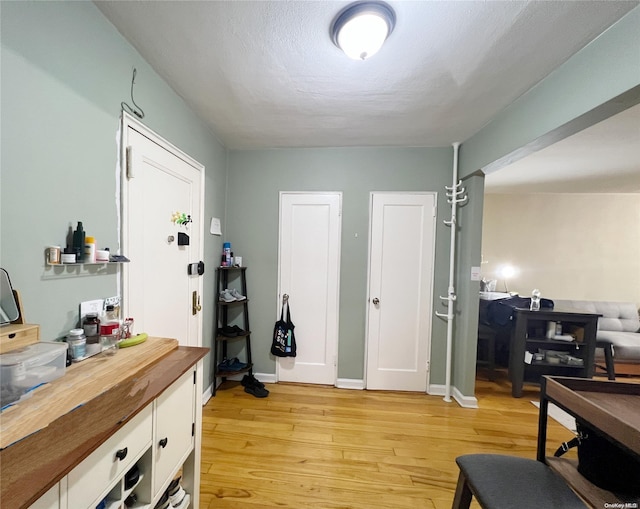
(222, 320)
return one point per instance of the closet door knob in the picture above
(121, 454)
(163, 442)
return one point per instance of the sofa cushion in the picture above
(626, 345)
(616, 316)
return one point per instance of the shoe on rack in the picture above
(225, 296)
(184, 503)
(163, 503)
(174, 486)
(233, 364)
(236, 365)
(238, 331)
(224, 365)
(228, 331)
(236, 294)
(178, 497)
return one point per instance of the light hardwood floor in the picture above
(310, 446)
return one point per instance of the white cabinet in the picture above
(98, 473)
(155, 444)
(50, 500)
(174, 430)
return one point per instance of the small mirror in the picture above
(8, 306)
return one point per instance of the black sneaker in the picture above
(248, 380)
(174, 486)
(163, 503)
(228, 331)
(258, 392)
(239, 331)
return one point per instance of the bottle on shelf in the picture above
(77, 344)
(91, 326)
(78, 242)
(90, 250)
(535, 300)
(227, 254)
(111, 313)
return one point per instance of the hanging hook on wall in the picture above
(285, 299)
(137, 111)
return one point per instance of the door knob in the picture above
(376, 301)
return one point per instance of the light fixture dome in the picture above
(361, 28)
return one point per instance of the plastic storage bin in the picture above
(25, 368)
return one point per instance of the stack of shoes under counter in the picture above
(254, 386)
(175, 497)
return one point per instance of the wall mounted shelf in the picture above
(75, 270)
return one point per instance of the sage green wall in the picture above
(255, 180)
(65, 71)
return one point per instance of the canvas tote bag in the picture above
(284, 340)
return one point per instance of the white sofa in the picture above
(618, 326)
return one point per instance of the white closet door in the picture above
(309, 272)
(400, 291)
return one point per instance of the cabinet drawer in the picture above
(174, 420)
(17, 336)
(95, 474)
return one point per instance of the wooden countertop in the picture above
(66, 420)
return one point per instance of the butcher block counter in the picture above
(45, 437)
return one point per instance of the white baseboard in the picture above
(350, 383)
(206, 395)
(463, 401)
(355, 384)
(266, 378)
(436, 389)
(263, 377)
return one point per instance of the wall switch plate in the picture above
(91, 306)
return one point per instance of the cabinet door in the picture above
(173, 437)
(50, 500)
(98, 472)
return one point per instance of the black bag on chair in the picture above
(284, 340)
(604, 463)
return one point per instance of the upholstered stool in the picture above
(509, 482)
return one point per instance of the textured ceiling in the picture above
(265, 74)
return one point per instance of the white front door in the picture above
(309, 272)
(158, 182)
(402, 241)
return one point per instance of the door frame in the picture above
(279, 289)
(130, 122)
(431, 281)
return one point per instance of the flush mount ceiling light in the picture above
(361, 28)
